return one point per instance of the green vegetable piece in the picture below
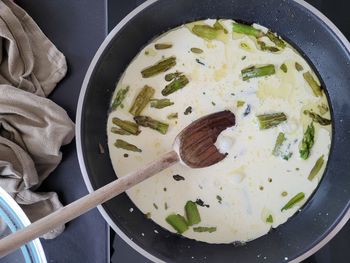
(175, 85)
(119, 131)
(196, 50)
(267, 121)
(142, 100)
(323, 108)
(240, 103)
(162, 46)
(307, 142)
(178, 222)
(316, 89)
(172, 116)
(276, 40)
(128, 126)
(218, 26)
(284, 68)
(317, 167)
(201, 229)
(269, 219)
(192, 213)
(265, 47)
(296, 199)
(247, 30)
(298, 67)
(171, 76)
(205, 31)
(284, 193)
(317, 118)
(161, 103)
(279, 141)
(126, 146)
(244, 45)
(287, 156)
(219, 198)
(159, 67)
(257, 71)
(121, 94)
(146, 121)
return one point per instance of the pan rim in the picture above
(81, 161)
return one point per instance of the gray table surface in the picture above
(77, 28)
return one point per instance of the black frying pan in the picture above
(301, 25)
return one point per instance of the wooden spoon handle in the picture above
(84, 204)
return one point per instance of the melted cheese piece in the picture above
(250, 179)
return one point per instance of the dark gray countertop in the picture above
(77, 28)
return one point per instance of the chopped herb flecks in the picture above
(188, 110)
(204, 229)
(219, 198)
(178, 177)
(201, 203)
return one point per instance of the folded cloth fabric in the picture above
(32, 128)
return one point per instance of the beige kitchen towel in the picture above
(32, 128)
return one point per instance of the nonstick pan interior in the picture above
(312, 35)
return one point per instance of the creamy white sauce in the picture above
(250, 179)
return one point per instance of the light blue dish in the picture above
(15, 219)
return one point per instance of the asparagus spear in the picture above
(247, 30)
(205, 31)
(276, 39)
(269, 219)
(307, 142)
(196, 50)
(151, 123)
(119, 131)
(162, 46)
(317, 118)
(279, 141)
(126, 146)
(161, 103)
(159, 67)
(317, 90)
(317, 167)
(204, 229)
(178, 222)
(171, 76)
(257, 71)
(142, 100)
(296, 199)
(267, 121)
(298, 67)
(172, 116)
(119, 98)
(284, 68)
(192, 213)
(128, 126)
(176, 84)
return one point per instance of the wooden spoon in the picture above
(194, 146)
